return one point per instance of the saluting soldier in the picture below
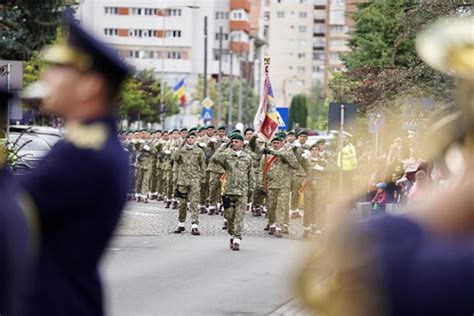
(190, 164)
(240, 183)
(202, 141)
(79, 189)
(298, 175)
(215, 171)
(278, 166)
(176, 143)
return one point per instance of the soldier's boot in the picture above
(231, 242)
(180, 228)
(153, 196)
(285, 230)
(168, 204)
(134, 196)
(213, 210)
(249, 207)
(195, 230)
(145, 199)
(257, 212)
(139, 198)
(174, 205)
(225, 225)
(306, 232)
(202, 209)
(236, 244)
(160, 198)
(278, 233)
(267, 228)
(271, 231)
(220, 209)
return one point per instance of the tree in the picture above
(27, 26)
(298, 112)
(317, 109)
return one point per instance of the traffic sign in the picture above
(207, 103)
(207, 114)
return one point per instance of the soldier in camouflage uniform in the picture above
(177, 141)
(167, 170)
(298, 175)
(215, 171)
(144, 165)
(316, 190)
(161, 179)
(240, 182)
(202, 142)
(190, 163)
(155, 145)
(278, 165)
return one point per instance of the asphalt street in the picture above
(148, 270)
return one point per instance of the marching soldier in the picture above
(240, 182)
(277, 167)
(176, 143)
(190, 163)
(202, 142)
(79, 189)
(298, 175)
(145, 165)
(161, 167)
(216, 171)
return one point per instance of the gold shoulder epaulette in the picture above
(92, 136)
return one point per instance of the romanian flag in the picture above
(267, 119)
(179, 90)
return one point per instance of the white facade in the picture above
(180, 53)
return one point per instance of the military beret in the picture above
(276, 139)
(210, 126)
(158, 131)
(237, 137)
(194, 129)
(165, 132)
(174, 130)
(221, 128)
(303, 132)
(291, 133)
(201, 128)
(237, 131)
(183, 129)
(281, 135)
(190, 134)
(249, 129)
(143, 130)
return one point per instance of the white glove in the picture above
(306, 154)
(246, 142)
(146, 147)
(318, 167)
(141, 141)
(213, 139)
(202, 145)
(223, 144)
(134, 141)
(167, 151)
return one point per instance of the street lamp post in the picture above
(162, 73)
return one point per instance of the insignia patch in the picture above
(92, 136)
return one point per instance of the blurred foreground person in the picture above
(14, 235)
(421, 263)
(80, 188)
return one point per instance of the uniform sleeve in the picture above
(251, 175)
(176, 155)
(67, 177)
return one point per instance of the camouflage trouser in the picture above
(235, 215)
(168, 184)
(174, 183)
(296, 182)
(153, 176)
(145, 180)
(159, 181)
(277, 204)
(258, 198)
(314, 207)
(204, 190)
(189, 193)
(214, 188)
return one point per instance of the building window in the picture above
(111, 10)
(318, 56)
(303, 15)
(301, 69)
(302, 28)
(173, 12)
(174, 55)
(337, 43)
(338, 28)
(318, 69)
(280, 14)
(334, 56)
(338, 2)
(222, 15)
(301, 42)
(337, 17)
(301, 55)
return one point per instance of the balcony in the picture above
(319, 28)
(240, 4)
(319, 43)
(239, 26)
(319, 14)
(238, 47)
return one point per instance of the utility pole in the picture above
(205, 57)
(248, 79)
(231, 90)
(219, 81)
(239, 113)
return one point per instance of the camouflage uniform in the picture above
(240, 180)
(215, 173)
(166, 166)
(190, 167)
(297, 178)
(279, 164)
(202, 143)
(145, 159)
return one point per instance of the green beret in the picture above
(291, 133)
(190, 134)
(158, 131)
(281, 135)
(201, 128)
(276, 139)
(174, 130)
(237, 131)
(183, 129)
(303, 132)
(210, 126)
(221, 128)
(143, 130)
(165, 132)
(249, 129)
(194, 129)
(237, 136)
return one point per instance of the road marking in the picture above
(112, 249)
(140, 213)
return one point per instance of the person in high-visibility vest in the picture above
(348, 164)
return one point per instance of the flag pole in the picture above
(266, 61)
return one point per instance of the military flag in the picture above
(179, 91)
(267, 119)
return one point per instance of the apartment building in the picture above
(168, 35)
(305, 40)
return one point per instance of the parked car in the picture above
(30, 148)
(50, 135)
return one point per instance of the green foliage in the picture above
(318, 108)
(27, 26)
(298, 112)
